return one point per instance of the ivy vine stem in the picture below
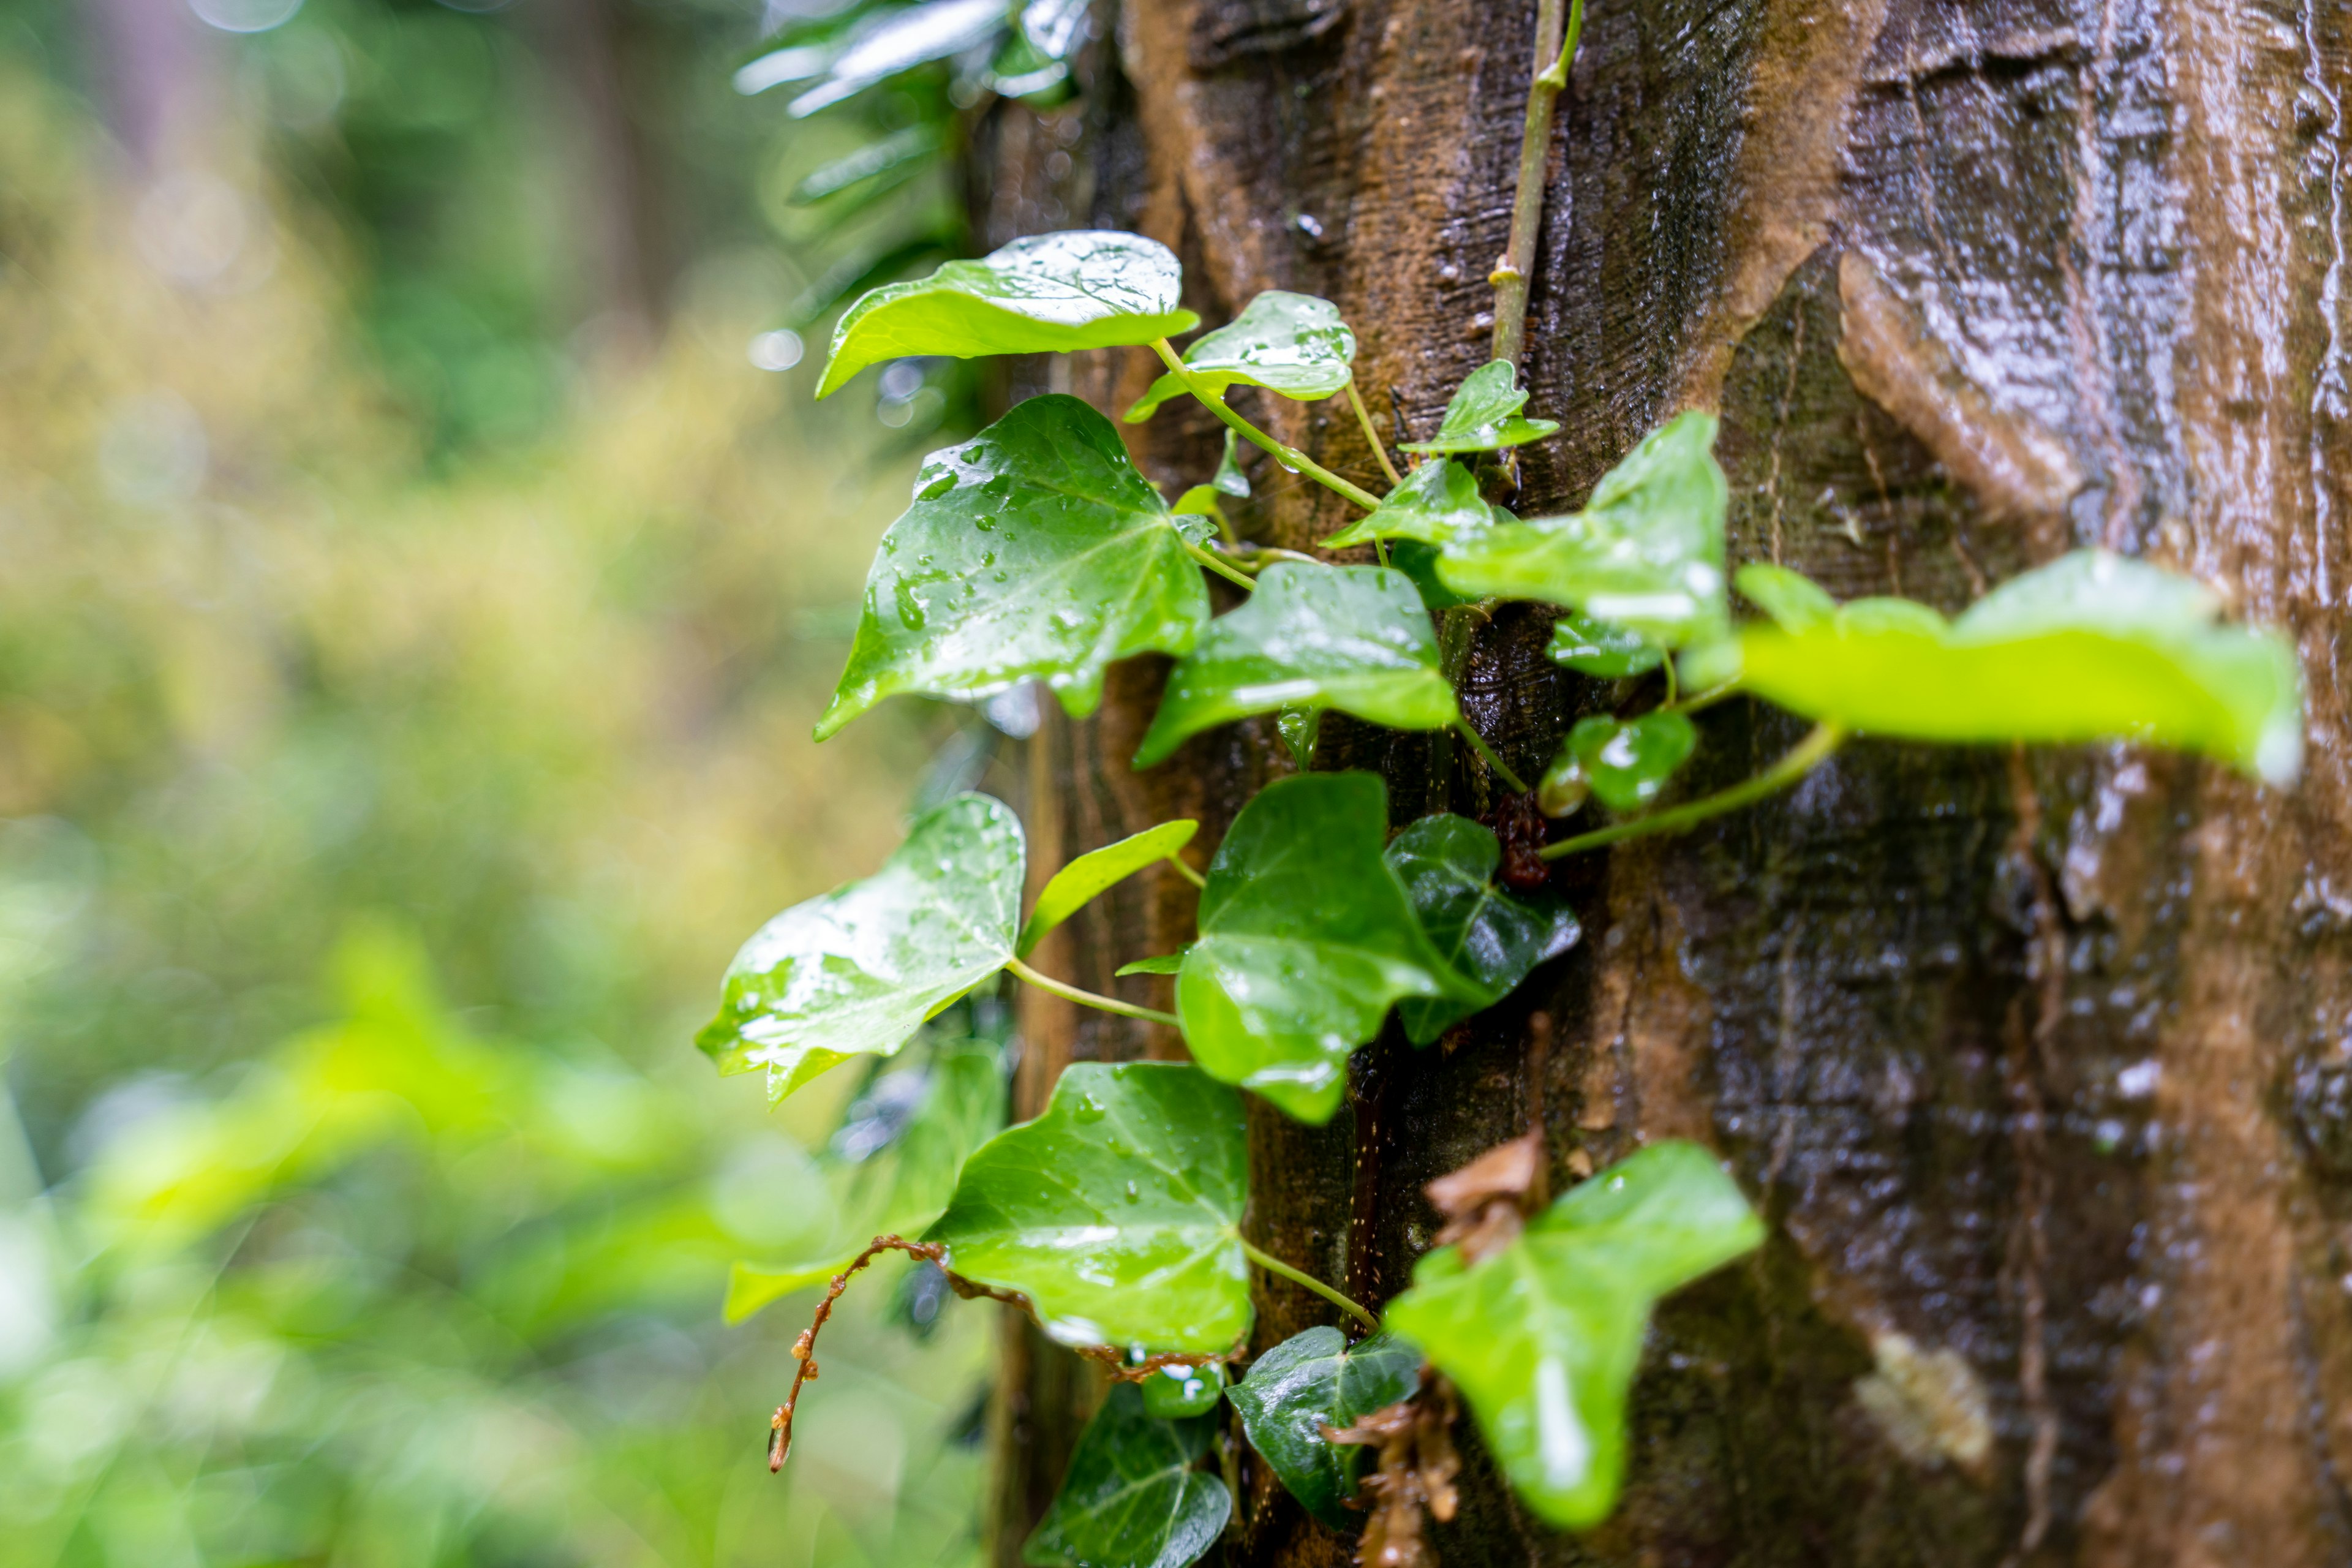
(1380, 447)
(1802, 759)
(1502, 770)
(1209, 559)
(1510, 277)
(1289, 456)
(1273, 1265)
(1185, 870)
(1091, 999)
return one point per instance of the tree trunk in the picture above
(2039, 1065)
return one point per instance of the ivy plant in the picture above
(1133, 1497)
(1291, 343)
(1489, 937)
(1312, 1381)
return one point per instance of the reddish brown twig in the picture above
(1114, 1360)
(779, 1441)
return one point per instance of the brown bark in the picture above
(2041, 1066)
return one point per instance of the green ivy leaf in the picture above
(1315, 1380)
(1794, 602)
(2093, 647)
(1485, 414)
(886, 46)
(1078, 883)
(1625, 761)
(1307, 937)
(1166, 964)
(1033, 550)
(1352, 637)
(1418, 562)
(1601, 650)
(963, 1105)
(1646, 553)
(1437, 503)
(1049, 293)
(1448, 865)
(1131, 1497)
(1301, 729)
(857, 970)
(1116, 1213)
(1176, 1392)
(1291, 343)
(1230, 480)
(1543, 1337)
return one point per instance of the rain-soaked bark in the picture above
(2039, 1065)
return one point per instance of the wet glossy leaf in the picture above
(963, 1105)
(1033, 550)
(857, 970)
(1076, 884)
(1352, 637)
(1175, 1391)
(1291, 343)
(1166, 964)
(1051, 293)
(1306, 938)
(1116, 1211)
(1230, 480)
(1646, 554)
(1794, 602)
(2092, 647)
(1133, 1497)
(1543, 1337)
(899, 41)
(1437, 502)
(1625, 761)
(1603, 650)
(1301, 729)
(1448, 865)
(1485, 414)
(1315, 1380)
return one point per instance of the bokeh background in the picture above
(421, 561)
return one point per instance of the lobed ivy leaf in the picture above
(1078, 883)
(1601, 649)
(1543, 1337)
(1033, 550)
(1291, 343)
(2093, 647)
(1116, 1213)
(1049, 293)
(1131, 1497)
(1175, 1391)
(1315, 1380)
(963, 1105)
(1352, 637)
(857, 970)
(1306, 938)
(1484, 416)
(1448, 865)
(1437, 503)
(1625, 761)
(1646, 553)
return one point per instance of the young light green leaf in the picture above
(1200, 500)
(1033, 550)
(1352, 637)
(1049, 293)
(963, 1105)
(1603, 650)
(1307, 937)
(1076, 884)
(1543, 1337)
(1625, 761)
(1131, 1497)
(1166, 964)
(1230, 480)
(1176, 1392)
(1438, 503)
(1646, 553)
(1291, 343)
(1485, 414)
(2093, 647)
(1116, 1213)
(857, 970)
(1794, 602)
(1301, 729)
(1448, 865)
(1315, 1380)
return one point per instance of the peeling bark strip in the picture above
(2040, 1077)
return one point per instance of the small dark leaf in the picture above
(1448, 865)
(1315, 1380)
(1625, 761)
(1131, 1497)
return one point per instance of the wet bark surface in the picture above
(2041, 1066)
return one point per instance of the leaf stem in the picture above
(1289, 456)
(1553, 53)
(1364, 418)
(1088, 999)
(1275, 1266)
(1802, 759)
(1209, 559)
(1478, 744)
(1189, 874)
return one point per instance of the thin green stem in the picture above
(1273, 1264)
(1289, 456)
(1510, 275)
(1803, 758)
(1088, 999)
(1708, 699)
(1189, 874)
(1209, 559)
(1671, 692)
(1478, 744)
(1364, 418)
